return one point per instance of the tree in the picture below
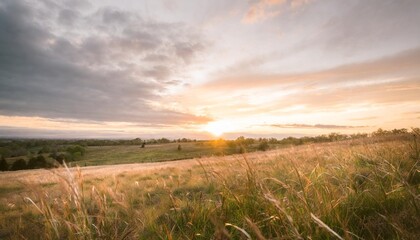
(19, 164)
(263, 146)
(37, 162)
(380, 132)
(231, 145)
(76, 149)
(60, 158)
(44, 149)
(74, 153)
(241, 149)
(399, 131)
(53, 155)
(3, 164)
(164, 140)
(336, 136)
(5, 152)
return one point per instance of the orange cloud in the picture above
(265, 9)
(384, 82)
(319, 126)
(402, 65)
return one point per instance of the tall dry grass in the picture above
(350, 190)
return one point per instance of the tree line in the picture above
(42, 159)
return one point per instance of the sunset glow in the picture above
(219, 127)
(203, 69)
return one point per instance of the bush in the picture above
(74, 153)
(263, 146)
(241, 149)
(60, 158)
(44, 149)
(3, 164)
(37, 162)
(19, 164)
(76, 149)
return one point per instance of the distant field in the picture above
(123, 154)
(103, 155)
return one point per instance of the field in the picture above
(102, 155)
(124, 153)
(355, 189)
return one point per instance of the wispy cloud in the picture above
(403, 64)
(388, 80)
(266, 9)
(317, 126)
(413, 113)
(363, 118)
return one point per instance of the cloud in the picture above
(67, 17)
(187, 50)
(20, 132)
(412, 113)
(363, 118)
(77, 64)
(317, 126)
(389, 79)
(405, 63)
(382, 82)
(265, 9)
(371, 26)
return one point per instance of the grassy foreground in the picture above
(365, 189)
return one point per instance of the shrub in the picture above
(263, 146)
(3, 164)
(19, 164)
(76, 149)
(37, 162)
(60, 158)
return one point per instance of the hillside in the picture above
(366, 188)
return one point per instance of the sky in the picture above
(207, 69)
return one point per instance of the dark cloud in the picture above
(114, 16)
(158, 72)
(156, 58)
(317, 126)
(85, 66)
(187, 50)
(67, 17)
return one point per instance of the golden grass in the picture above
(346, 190)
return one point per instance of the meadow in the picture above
(51, 153)
(103, 155)
(354, 189)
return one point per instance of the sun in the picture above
(218, 128)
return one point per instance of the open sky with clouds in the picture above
(180, 68)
